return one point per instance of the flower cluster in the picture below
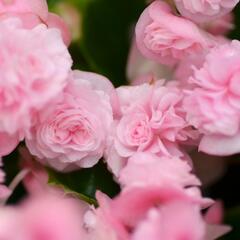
(185, 95)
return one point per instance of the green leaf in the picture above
(85, 182)
(107, 28)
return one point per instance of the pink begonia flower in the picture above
(152, 120)
(163, 37)
(37, 7)
(7, 143)
(31, 20)
(204, 10)
(10, 218)
(72, 134)
(44, 217)
(145, 169)
(213, 105)
(147, 213)
(34, 71)
(52, 217)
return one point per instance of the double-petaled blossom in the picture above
(166, 38)
(34, 71)
(149, 213)
(73, 133)
(204, 10)
(33, 13)
(46, 216)
(213, 104)
(152, 120)
(163, 170)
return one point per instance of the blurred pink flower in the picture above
(213, 105)
(34, 70)
(45, 217)
(204, 10)
(72, 133)
(145, 169)
(33, 13)
(37, 7)
(165, 38)
(147, 213)
(152, 121)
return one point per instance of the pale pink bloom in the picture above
(54, 21)
(37, 7)
(30, 20)
(145, 169)
(8, 143)
(44, 217)
(147, 213)
(152, 120)
(213, 105)
(165, 38)
(205, 10)
(185, 69)
(72, 133)
(34, 71)
(53, 217)
(10, 218)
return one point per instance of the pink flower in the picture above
(213, 105)
(72, 134)
(148, 213)
(205, 10)
(51, 217)
(48, 217)
(152, 121)
(165, 38)
(32, 13)
(34, 70)
(163, 170)
(37, 7)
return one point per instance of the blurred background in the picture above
(102, 32)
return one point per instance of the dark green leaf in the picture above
(84, 183)
(106, 35)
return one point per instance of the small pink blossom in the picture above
(165, 38)
(34, 70)
(163, 170)
(37, 7)
(213, 105)
(152, 121)
(205, 10)
(73, 132)
(148, 213)
(45, 217)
